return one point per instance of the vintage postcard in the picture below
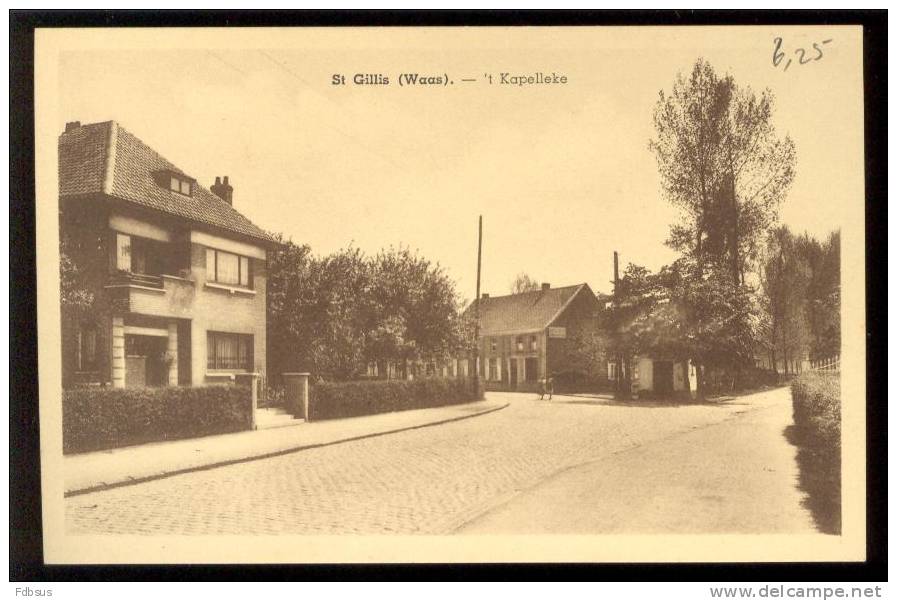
(435, 294)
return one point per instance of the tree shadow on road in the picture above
(820, 479)
(648, 403)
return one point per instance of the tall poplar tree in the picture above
(722, 163)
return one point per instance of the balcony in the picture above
(138, 280)
(159, 295)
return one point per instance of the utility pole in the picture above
(618, 387)
(476, 335)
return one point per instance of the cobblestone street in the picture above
(430, 481)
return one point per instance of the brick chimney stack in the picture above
(72, 126)
(223, 190)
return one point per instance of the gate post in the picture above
(296, 393)
(250, 380)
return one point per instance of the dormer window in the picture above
(181, 185)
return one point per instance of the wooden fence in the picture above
(832, 364)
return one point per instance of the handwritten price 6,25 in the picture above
(801, 55)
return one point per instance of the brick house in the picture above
(177, 275)
(525, 336)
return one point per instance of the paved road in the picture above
(737, 476)
(431, 481)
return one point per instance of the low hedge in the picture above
(333, 400)
(102, 418)
(752, 378)
(816, 403)
(576, 381)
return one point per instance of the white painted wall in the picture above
(645, 373)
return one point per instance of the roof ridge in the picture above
(196, 182)
(567, 303)
(490, 297)
(111, 148)
(125, 131)
(109, 159)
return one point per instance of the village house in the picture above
(530, 336)
(656, 377)
(177, 275)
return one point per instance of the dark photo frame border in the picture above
(26, 560)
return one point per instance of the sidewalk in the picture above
(89, 472)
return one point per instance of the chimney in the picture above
(485, 295)
(72, 125)
(223, 190)
(545, 285)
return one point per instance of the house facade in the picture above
(175, 277)
(657, 377)
(528, 336)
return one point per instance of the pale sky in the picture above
(561, 174)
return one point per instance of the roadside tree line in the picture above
(334, 315)
(743, 286)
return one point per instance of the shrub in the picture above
(816, 402)
(577, 381)
(756, 377)
(104, 418)
(331, 400)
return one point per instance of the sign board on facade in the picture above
(557, 332)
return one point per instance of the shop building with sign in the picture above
(526, 337)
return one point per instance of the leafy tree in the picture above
(75, 297)
(625, 321)
(823, 293)
(685, 315)
(334, 315)
(586, 353)
(801, 285)
(523, 283)
(784, 281)
(341, 285)
(293, 313)
(80, 275)
(709, 318)
(723, 164)
(414, 310)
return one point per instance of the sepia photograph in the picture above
(451, 294)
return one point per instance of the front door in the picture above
(531, 370)
(512, 380)
(663, 378)
(144, 365)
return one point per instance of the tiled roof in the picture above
(524, 312)
(106, 158)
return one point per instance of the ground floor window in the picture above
(531, 369)
(87, 348)
(229, 351)
(493, 369)
(611, 371)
